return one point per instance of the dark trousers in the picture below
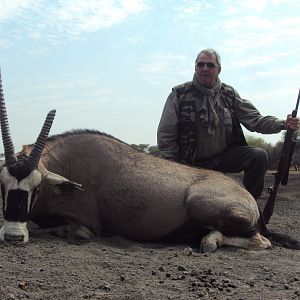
(236, 158)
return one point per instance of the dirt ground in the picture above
(114, 268)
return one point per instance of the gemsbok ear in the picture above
(60, 184)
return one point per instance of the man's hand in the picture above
(293, 123)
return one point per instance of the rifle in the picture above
(282, 173)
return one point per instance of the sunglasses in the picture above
(210, 65)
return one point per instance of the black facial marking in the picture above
(20, 170)
(16, 209)
(3, 197)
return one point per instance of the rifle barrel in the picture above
(281, 176)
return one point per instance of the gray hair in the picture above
(210, 51)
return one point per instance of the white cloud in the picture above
(11, 8)
(159, 66)
(88, 16)
(252, 60)
(288, 74)
(56, 21)
(134, 40)
(254, 6)
(190, 8)
(257, 34)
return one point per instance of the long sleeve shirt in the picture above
(207, 145)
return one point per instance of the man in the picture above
(200, 125)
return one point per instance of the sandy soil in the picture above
(114, 268)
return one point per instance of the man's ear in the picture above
(220, 70)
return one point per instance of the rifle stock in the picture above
(282, 173)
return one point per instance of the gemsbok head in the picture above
(20, 177)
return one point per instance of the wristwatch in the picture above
(282, 127)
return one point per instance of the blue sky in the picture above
(110, 65)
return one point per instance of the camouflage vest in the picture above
(186, 94)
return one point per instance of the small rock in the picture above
(153, 272)
(99, 295)
(188, 251)
(122, 277)
(105, 286)
(181, 268)
(269, 278)
(201, 295)
(23, 285)
(161, 268)
(208, 272)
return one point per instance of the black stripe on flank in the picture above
(238, 227)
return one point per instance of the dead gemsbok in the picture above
(125, 192)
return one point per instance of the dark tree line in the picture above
(274, 151)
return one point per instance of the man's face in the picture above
(207, 73)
